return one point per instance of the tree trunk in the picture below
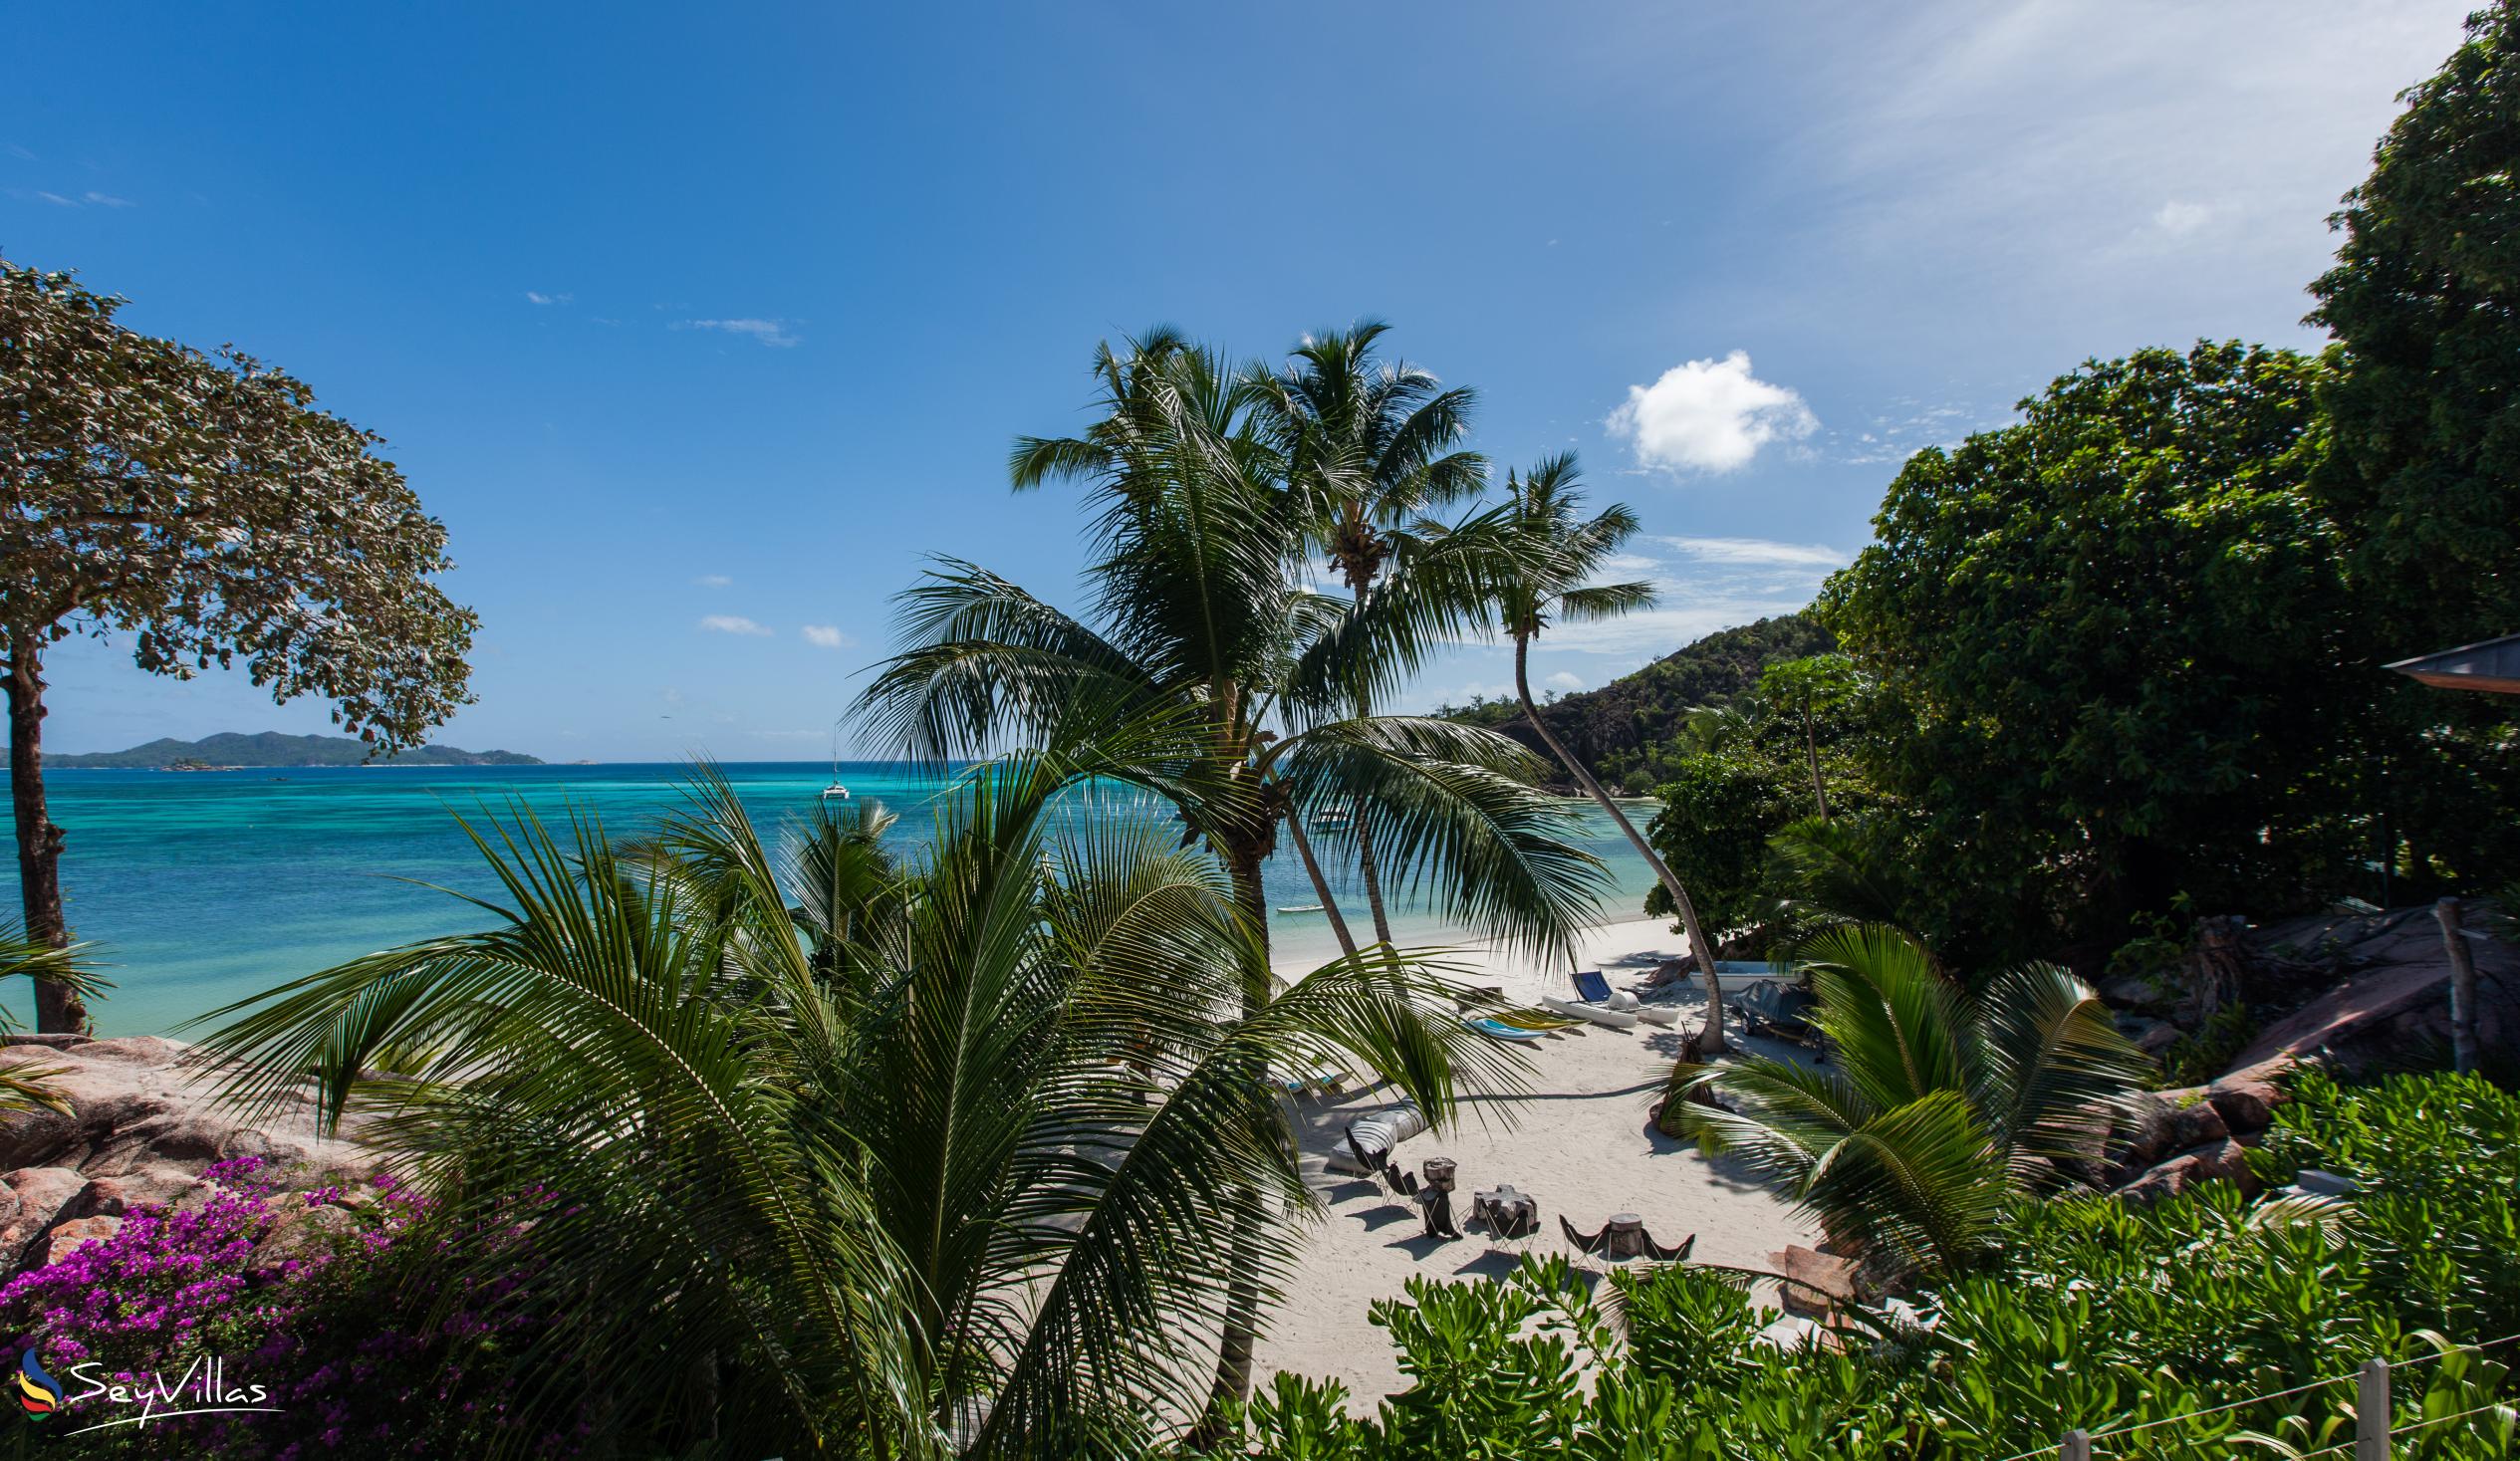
(1359, 583)
(1712, 1037)
(58, 1008)
(1321, 884)
(1243, 1285)
(1372, 884)
(2463, 985)
(1811, 748)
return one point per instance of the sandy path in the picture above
(1579, 1143)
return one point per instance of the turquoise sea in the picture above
(204, 887)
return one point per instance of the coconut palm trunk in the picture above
(1711, 1038)
(1321, 885)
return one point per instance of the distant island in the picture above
(230, 751)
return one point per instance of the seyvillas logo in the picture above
(39, 1394)
(202, 1389)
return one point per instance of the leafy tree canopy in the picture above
(205, 506)
(2425, 298)
(2113, 635)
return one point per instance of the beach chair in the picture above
(1625, 1236)
(1592, 987)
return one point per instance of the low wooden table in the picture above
(1627, 1235)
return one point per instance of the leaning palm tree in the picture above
(1540, 564)
(978, 1205)
(1204, 641)
(1941, 1106)
(1368, 447)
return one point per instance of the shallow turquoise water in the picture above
(203, 887)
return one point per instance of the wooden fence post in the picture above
(2372, 1412)
(2463, 985)
(2077, 1446)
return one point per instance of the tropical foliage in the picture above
(2424, 300)
(2113, 641)
(1368, 448)
(961, 1157)
(1777, 754)
(1244, 681)
(1937, 1107)
(2157, 1328)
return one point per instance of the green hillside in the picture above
(272, 748)
(1617, 727)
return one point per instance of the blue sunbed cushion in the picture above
(1591, 986)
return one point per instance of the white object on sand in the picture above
(1615, 1019)
(1378, 1135)
(1658, 1014)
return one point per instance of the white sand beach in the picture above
(1580, 1142)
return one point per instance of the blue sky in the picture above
(701, 325)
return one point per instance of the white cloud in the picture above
(56, 199)
(769, 331)
(1709, 416)
(731, 624)
(537, 296)
(1563, 680)
(1758, 552)
(109, 200)
(2179, 219)
(714, 581)
(1990, 160)
(825, 637)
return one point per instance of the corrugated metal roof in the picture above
(2492, 665)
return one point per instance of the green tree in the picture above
(967, 1198)
(1938, 1107)
(1541, 560)
(1203, 638)
(2425, 300)
(2114, 642)
(1368, 447)
(1747, 772)
(205, 507)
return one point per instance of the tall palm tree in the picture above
(1542, 558)
(1200, 638)
(974, 1206)
(1368, 447)
(1940, 1104)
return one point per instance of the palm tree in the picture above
(1200, 638)
(29, 1086)
(1368, 447)
(1941, 1105)
(974, 1204)
(1543, 559)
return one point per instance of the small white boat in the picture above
(1615, 1019)
(836, 792)
(1658, 1014)
(1300, 908)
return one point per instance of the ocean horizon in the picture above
(199, 888)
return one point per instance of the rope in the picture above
(2407, 1429)
(2127, 1431)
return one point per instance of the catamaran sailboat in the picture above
(836, 792)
